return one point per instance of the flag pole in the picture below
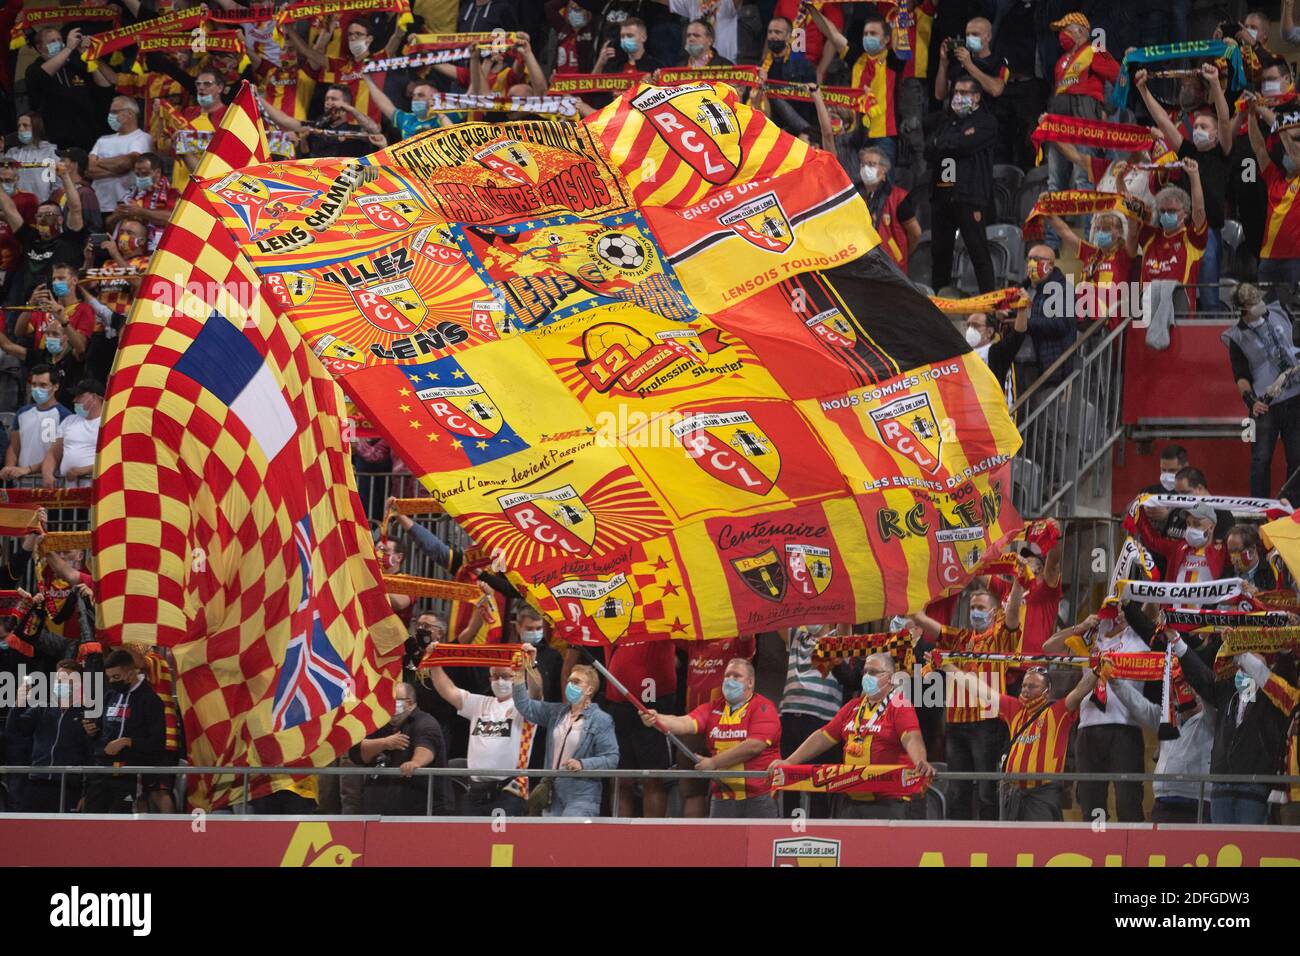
(672, 738)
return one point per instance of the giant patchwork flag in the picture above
(228, 524)
(655, 357)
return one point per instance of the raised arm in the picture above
(10, 212)
(533, 71)
(379, 97)
(1158, 114)
(447, 690)
(1257, 142)
(823, 120)
(311, 55)
(1193, 170)
(280, 118)
(833, 36)
(1075, 698)
(1069, 238)
(75, 221)
(1222, 114)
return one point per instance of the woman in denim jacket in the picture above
(579, 736)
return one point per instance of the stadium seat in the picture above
(1007, 249)
(920, 262)
(460, 787)
(1036, 175)
(1232, 236)
(1027, 195)
(1006, 182)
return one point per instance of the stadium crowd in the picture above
(944, 157)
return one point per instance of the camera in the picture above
(955, 44)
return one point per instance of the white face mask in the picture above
(1271, 87)
(359, 48)
(1201, 138)
(1167, 480)
(870, 174)
(1196, 537)
(973, 337)
(503, 687)
(399, 707)
(1253, 34)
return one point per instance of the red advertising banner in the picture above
(333, 841)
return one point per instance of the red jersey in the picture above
(1085, 71)
(1183, 563)
(874, 735)
(80, 317)
(1106, 273)
(813, 38)
(288, 89)
(705, 662)
(635, 664)
(890, 227)
(1038, 737)
(1177, 256)
(1042, 602)
(911, 23)
(11, 250)
(1282, 228)
(724, 728)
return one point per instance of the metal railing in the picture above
(431, 774)
(1070, 427)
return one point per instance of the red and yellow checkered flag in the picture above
(228, 523)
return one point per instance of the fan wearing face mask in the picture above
(998, 350)
(1081, 74)
(499, 738)
(575, 35)
(411, 740)
(1174, 245)
(1197, 556)
(893, 212)
(1209, 143)
(1261, 351)
(1106, 264)
(358, 49)
(51, 236)
(1279, 257)
(973, 735)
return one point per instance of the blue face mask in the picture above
(1243, 682)
(420, 107)
(143, 182)
(40, 395)
(205, 100)
(872, 44)
(1105, 238)
(733, 691)
(870, 685)
(629, 44)
(9, 186)
(980, 619)
(532, 635)
(81, 410)
(25, 136)
(572, 693)
(113, 122)
(1168, 221)
(59, 288)
(973, 43)
(53, 344)
(55, 48)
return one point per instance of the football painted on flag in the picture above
(657, 358)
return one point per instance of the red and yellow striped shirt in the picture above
(1038, 737)
(1282, 228)
(963, 706)
(288, 89)
(159, 675)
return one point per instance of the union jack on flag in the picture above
(313, 679)
(228, 526)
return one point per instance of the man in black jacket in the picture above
(131, 733)
(1250, 734)
(960, 155)
(57, 739)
